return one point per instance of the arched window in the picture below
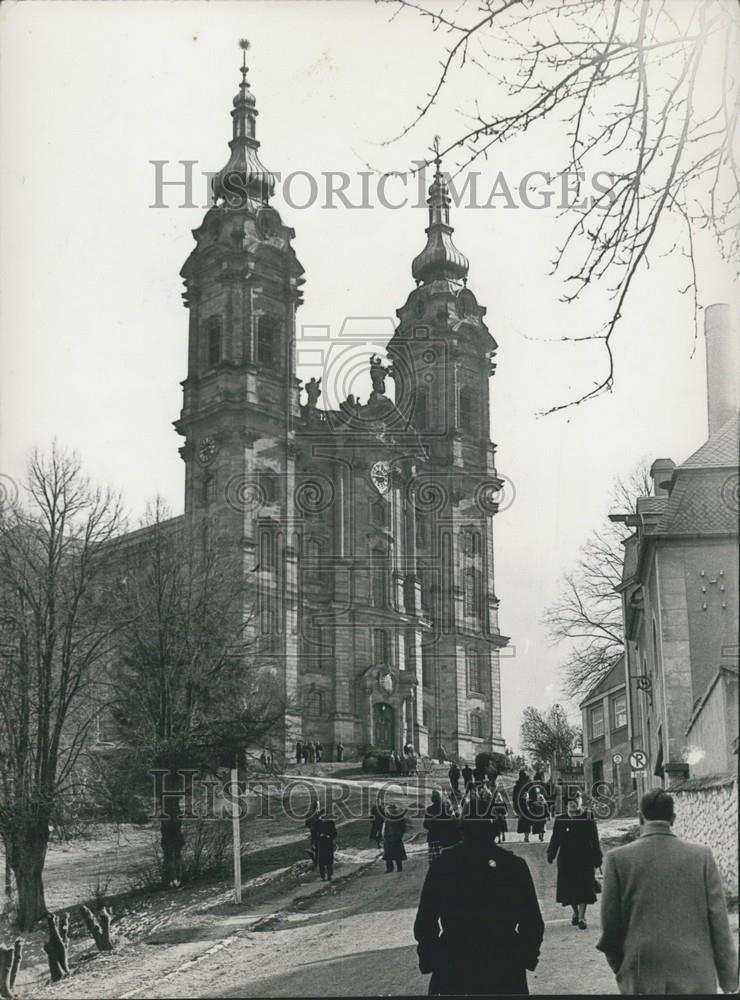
(314, 702)
(467, 410)
(267, 341)
(476, 726)
(268, 486)
(380, 513)
(474, 672)
(379, 569)
(214, 341)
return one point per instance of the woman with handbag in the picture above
(575, 843)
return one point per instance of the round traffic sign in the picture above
(638, 760)
(617, 758)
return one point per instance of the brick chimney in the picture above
(723, 366)
(660, 472)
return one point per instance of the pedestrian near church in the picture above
(319, 750)
(394, 827)
(664, 924)
(467, 777)
(299, 751)
(454, 776)
(575, 843)
(499, 812)
(520, 803)
(440, 826)
(326, 839)
(478, 926)
(340, 752)
(376, 822)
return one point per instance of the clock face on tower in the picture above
(207, 450)
(380, 476)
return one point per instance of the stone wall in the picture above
(706, 813)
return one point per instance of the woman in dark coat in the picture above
(575, 843)
(537, 808)
(440, 825)
(519, 801)
(312, 823)
(393, 831)
(498, 812)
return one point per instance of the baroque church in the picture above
(366, 531)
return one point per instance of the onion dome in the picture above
(244, 179)
(440, 258)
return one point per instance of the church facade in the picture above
(365, 532)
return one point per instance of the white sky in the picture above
(94, 335)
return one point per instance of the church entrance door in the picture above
(383, 725)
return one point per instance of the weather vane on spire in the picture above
(244, 45)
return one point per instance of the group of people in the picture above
(312, 752)
(479, 928)
(406, 764)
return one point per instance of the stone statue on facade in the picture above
(313, 391)
(378, 374)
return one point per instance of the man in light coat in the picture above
(663, 912)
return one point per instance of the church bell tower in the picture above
(240, 397)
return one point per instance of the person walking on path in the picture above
(478, 925)
(467, 777)
(340, 752)
(299, 751)
(326, 840)
(519, 796)
(664, 924)
(393, 830)
(440, 826)
(312, 822)
(537, 806)
(319, 749)
(376, 822)
(305, 753)
(575, 843)
(499, 811)
(454, 776)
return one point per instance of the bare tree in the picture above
(647, 90)
(52, 605)
(587, 615)
(185, 691)
(547, 734)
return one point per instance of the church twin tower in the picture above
(364, 534)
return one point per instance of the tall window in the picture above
(380, 513)
(471, 594)
(379, 570)
(475, 674)
(380, 643)
(209, 489)
(476, 726)
(467, 410)
(619, 711)
(267, 341)
(421, 408)
(597, 722)
(214, 341)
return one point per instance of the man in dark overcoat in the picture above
(326, 839)
(478, 926)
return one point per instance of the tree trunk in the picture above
(173, 841)
(28, 855)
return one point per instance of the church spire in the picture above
(244, 179)
(440, 258)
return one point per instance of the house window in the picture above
(379, 571)
(597, 722)
(476, 726)
(597, 772)
(473, 664)
(619, 711)
(467, 421)
(209, 489)
(314, 703)
(426, 667)
(267, 341)
(214, 341)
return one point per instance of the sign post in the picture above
(236, 834)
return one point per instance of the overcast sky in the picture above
(94, 334)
